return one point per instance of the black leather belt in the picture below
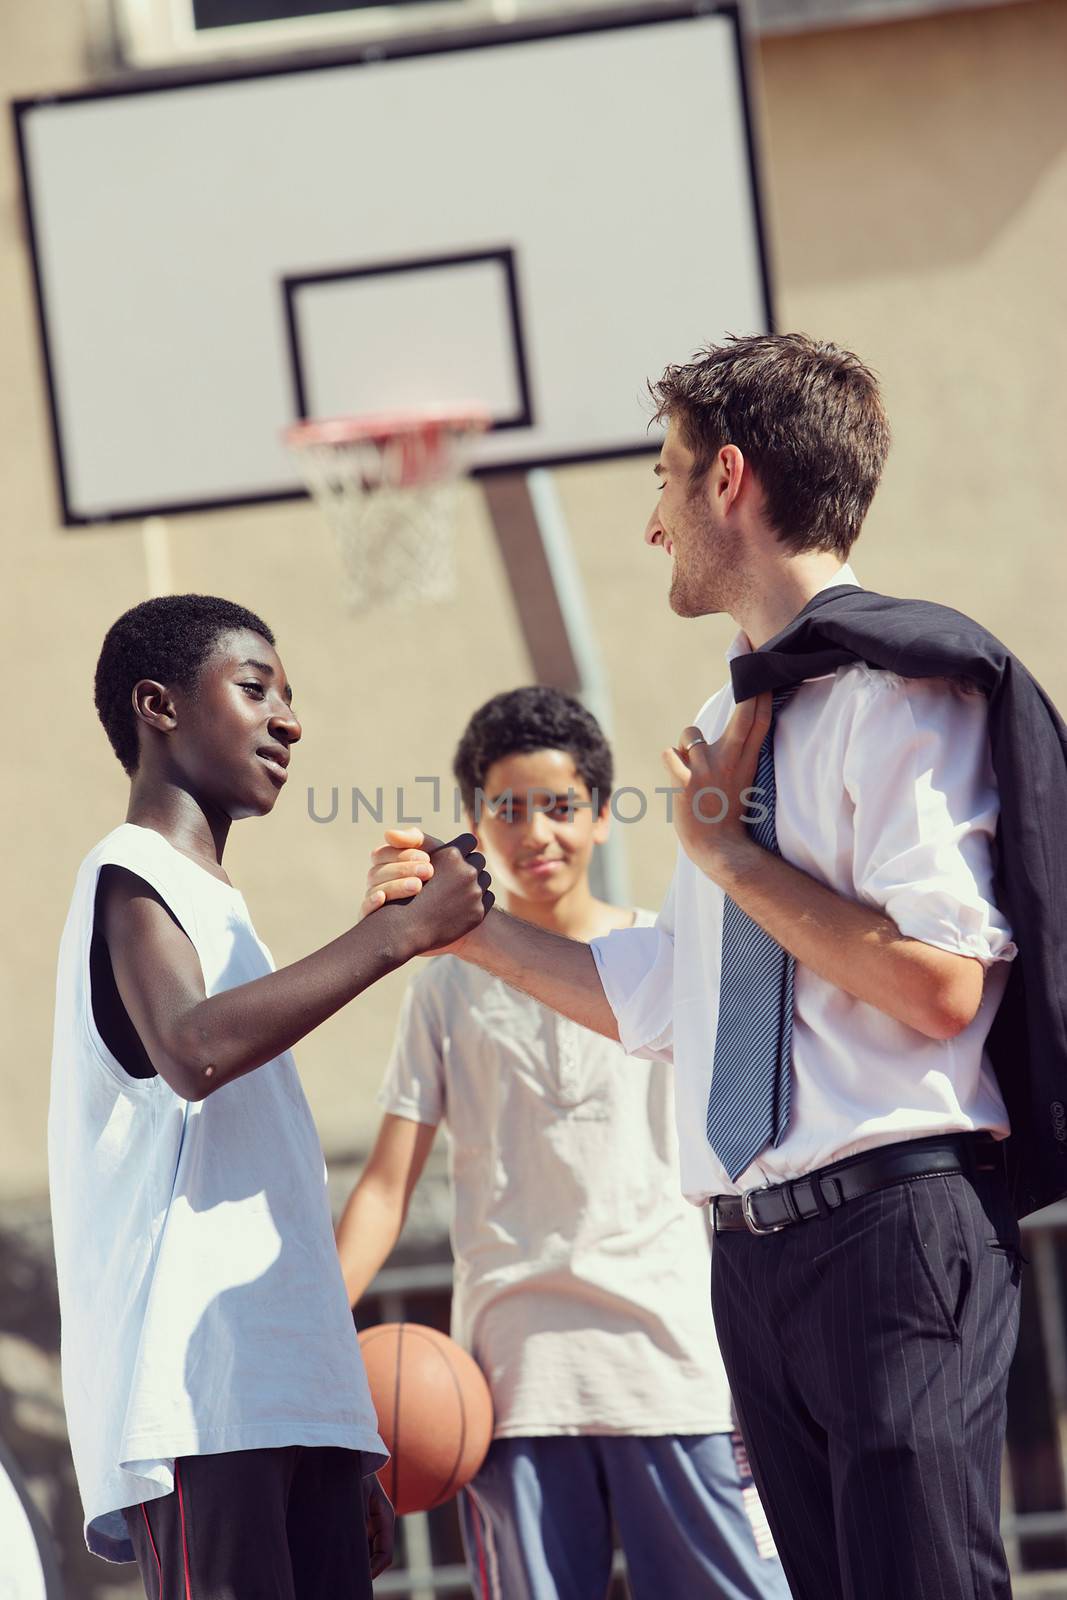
(779, 1205)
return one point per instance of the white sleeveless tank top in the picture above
(203, 1308)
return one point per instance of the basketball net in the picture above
(388, 487)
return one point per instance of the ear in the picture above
(472, 827)
(729, 471)
(602, 825)
(153, 704)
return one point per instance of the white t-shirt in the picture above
(582, 1278)
(203, 1308)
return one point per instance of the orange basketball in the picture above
(434, 1412)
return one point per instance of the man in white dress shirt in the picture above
(831, 952)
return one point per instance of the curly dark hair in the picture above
(807, 414)
(534, 718)
(167, 639)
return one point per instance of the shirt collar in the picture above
(844, 575)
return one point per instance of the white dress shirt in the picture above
(886, 794)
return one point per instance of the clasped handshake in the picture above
(444, 889)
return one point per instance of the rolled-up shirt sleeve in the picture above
(636, 967)
(919, 773)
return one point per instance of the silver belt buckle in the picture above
(749, 1215)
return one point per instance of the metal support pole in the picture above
(159, 577)
(554, 615)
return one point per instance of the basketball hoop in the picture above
(387, 484)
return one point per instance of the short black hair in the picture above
(167, 639)
(533, 718)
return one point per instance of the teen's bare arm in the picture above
(559, 972)
(199, 1043)
(374, 1216)
(852, 945)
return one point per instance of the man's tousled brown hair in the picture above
(806, 415)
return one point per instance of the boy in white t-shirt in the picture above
(582, 1277)
(219, 1417)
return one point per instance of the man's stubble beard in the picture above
(683, 602)
(706, 581)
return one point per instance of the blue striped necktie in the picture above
(751, 1082)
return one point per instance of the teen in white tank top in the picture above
(202, 1301)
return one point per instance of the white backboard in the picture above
(539, 219)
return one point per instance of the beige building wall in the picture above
(916, 185)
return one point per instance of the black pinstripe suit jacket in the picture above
(917, 639)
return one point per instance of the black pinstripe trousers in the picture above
(868, 1352)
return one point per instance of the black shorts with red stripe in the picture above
(284, 1524)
